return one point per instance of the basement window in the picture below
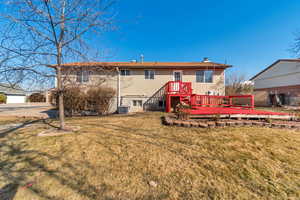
(138, 103)
(204, 76)
(125, 72)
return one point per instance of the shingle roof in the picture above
(7, 89)
(142, 65)
(270, 66)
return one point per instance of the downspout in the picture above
(119, 89)
(224, 72)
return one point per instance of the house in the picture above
(13, 94)
(141, 85)
(278, 84)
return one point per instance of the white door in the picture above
(177, 76)
(15, 99)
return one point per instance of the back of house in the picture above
(141, 85)
(278, 84)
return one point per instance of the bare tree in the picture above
(42, 32)
(236, 83)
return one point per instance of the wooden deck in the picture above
(206, 106)
(223, 112)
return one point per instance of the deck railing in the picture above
(222, 101)
(178, 87)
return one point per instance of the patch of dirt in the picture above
(58, 132)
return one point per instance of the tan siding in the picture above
(136, 84)
(136, 87)
(281, 74)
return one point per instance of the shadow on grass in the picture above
(7, 131)
(19, 166)
(8, 192)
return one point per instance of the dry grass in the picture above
(279, 109)
(15, 120)
(116, 157)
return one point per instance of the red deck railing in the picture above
(183, 90)
(221, 101)
(178, 87)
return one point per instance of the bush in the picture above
(2, 98)
(99, 99)
(37, 97)
(182, 111)
(96, 100)
(74, 101)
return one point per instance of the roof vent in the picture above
(206, 60)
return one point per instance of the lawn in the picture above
(136, 157)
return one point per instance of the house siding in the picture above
(136, 87)
(282, 78)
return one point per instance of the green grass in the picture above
(116, 157)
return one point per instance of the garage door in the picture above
(15, 99)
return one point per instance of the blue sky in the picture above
(249, 34)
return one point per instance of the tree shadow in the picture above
(52, 113)
(5, 132)
(16, 152)
(9, 191)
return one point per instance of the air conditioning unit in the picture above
(123, 109)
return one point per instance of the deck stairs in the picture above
(157, 101)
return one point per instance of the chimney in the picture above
(142, 58)
(205, 59)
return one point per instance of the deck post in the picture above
(168, 103)
(252, 101)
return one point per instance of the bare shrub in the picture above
(2, 98)
(237, 83)
(99, 99)
(37, 97)
(74, 100)
(182, 111)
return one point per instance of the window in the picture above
(85, 76)
(149, 74)
(138, 103)
(82, 76)
(204, 76)
(125, 72)
(177, 75)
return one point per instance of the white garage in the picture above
(15, 98)
(13, 94)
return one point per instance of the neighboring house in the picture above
(13, 95)
(278, 84)
(140, 85)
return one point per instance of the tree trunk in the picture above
(59, 74)
(60, 99)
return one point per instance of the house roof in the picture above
(273, 64)
(7, 89)
(142, 65)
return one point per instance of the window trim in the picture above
(125, 74)
(149, 74)
(181, 74)
(137, 103)
(81, 74)
(204, 77)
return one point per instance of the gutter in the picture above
(118, 89)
